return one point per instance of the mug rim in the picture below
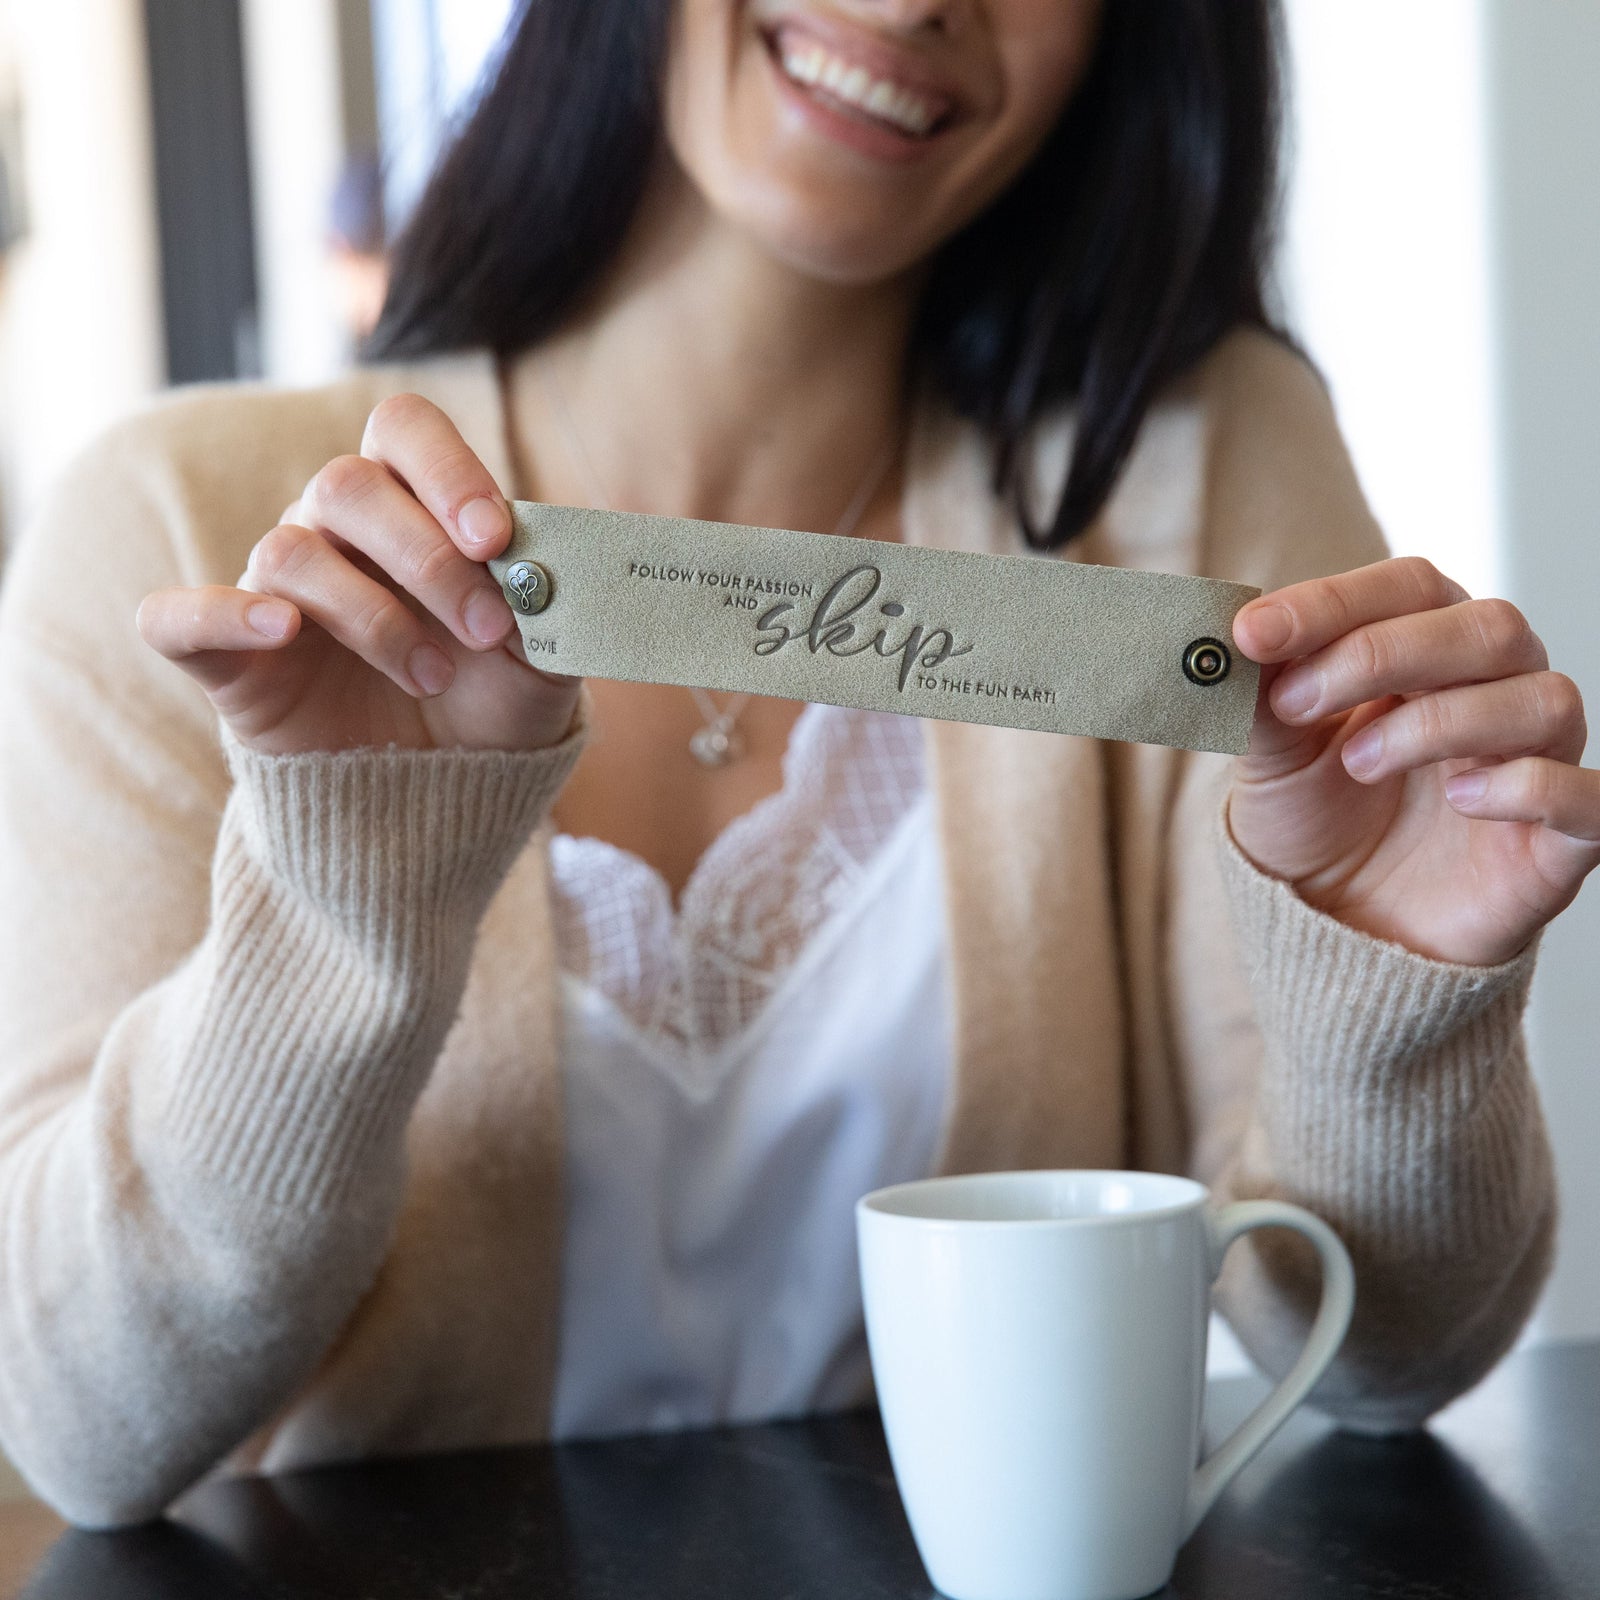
(880, 1202)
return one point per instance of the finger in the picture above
(1554, 794)
(358, 502)
(1473, 642)
(1270, 740)
(513, 648)
(422, 447)
(1278, 748)
(1306, 616)
(368, 619)
(210, 632)
(1539, 713)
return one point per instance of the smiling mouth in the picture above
(838, 83)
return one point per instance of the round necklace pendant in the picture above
(715, 747)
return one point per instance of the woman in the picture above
(363, 1088)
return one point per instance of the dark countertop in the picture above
(1498, 1500)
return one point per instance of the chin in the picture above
(833, 238)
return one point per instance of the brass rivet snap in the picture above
(528, 586)
(1206, 661)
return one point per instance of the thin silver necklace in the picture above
(718, 742)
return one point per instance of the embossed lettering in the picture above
(831, 627)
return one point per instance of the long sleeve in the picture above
(224, 979)
(1387, 1092)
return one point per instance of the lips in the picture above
(861, 79)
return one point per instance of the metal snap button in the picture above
(528, 586)
(1206, 661)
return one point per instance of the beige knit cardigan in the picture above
(280, 1119)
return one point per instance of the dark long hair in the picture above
(1138, 235)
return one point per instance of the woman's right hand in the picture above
(367, 618)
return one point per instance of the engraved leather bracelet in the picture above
(1018, 641)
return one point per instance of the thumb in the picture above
(1276, 746)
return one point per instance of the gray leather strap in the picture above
(1019, 641)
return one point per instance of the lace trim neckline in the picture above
(698, 975)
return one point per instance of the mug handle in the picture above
(1217, 1471)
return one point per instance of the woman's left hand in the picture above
(1413, 769)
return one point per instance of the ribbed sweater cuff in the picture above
(1388, 1074)
(361, 833)
(347, 893)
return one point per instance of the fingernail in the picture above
(1466, 787)
(1362, 752)
(1294, 697)
(1271, 626)
(482, 521)
(271, 620)
(487, 617)
(430, 668)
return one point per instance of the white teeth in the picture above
(813, 66)
(880, 99)
(804, 68)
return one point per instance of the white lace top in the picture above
(697, 977)
(737, 1073)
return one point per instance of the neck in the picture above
(706, 379)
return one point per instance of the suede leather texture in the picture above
(1014, 641)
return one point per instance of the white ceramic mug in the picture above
(1038, 1342)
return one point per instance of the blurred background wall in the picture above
(1541, 102)
(188, 190)
(80, 316)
